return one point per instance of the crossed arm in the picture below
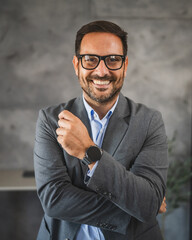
(72, 132)
(59, 197)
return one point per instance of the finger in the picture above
(66, 115)
(60, 139)
(162, 209)
(60, 131)
(63, 123)
(164, 204)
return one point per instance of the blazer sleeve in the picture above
(61, 199)
(138, 191)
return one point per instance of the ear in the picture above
(76, 64)
(126, 65)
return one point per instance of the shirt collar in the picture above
(92, 114)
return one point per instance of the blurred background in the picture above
(36, 50)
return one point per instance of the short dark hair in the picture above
(101, 26)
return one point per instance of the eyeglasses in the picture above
(112, 62)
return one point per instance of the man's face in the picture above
(100, 84)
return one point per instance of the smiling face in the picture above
(100, 85)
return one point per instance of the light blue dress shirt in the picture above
(98, 128)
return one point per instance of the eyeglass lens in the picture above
(112, 62)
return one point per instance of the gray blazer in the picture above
(125, 193)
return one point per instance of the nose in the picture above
(101, 69)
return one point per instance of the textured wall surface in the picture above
(36, 50)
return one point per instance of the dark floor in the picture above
(20, 215)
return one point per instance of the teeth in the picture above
(99, 82)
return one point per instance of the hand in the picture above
(73, 135)
(163, 206)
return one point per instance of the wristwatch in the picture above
(92, 155)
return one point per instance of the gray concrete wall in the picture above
(36, 51)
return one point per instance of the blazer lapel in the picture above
(79, 110)
(117, 127)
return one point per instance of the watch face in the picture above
(94, 153)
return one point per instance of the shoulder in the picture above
(145, 121)
(139, 114)
(50, 113)
(56, 109)
(140, 110)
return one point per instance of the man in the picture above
(100, 159)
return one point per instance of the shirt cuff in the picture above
(90, 173)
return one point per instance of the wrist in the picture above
(90, 166)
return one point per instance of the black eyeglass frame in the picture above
(80, 56)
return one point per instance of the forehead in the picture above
(101, 44)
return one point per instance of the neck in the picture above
(100, 108)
